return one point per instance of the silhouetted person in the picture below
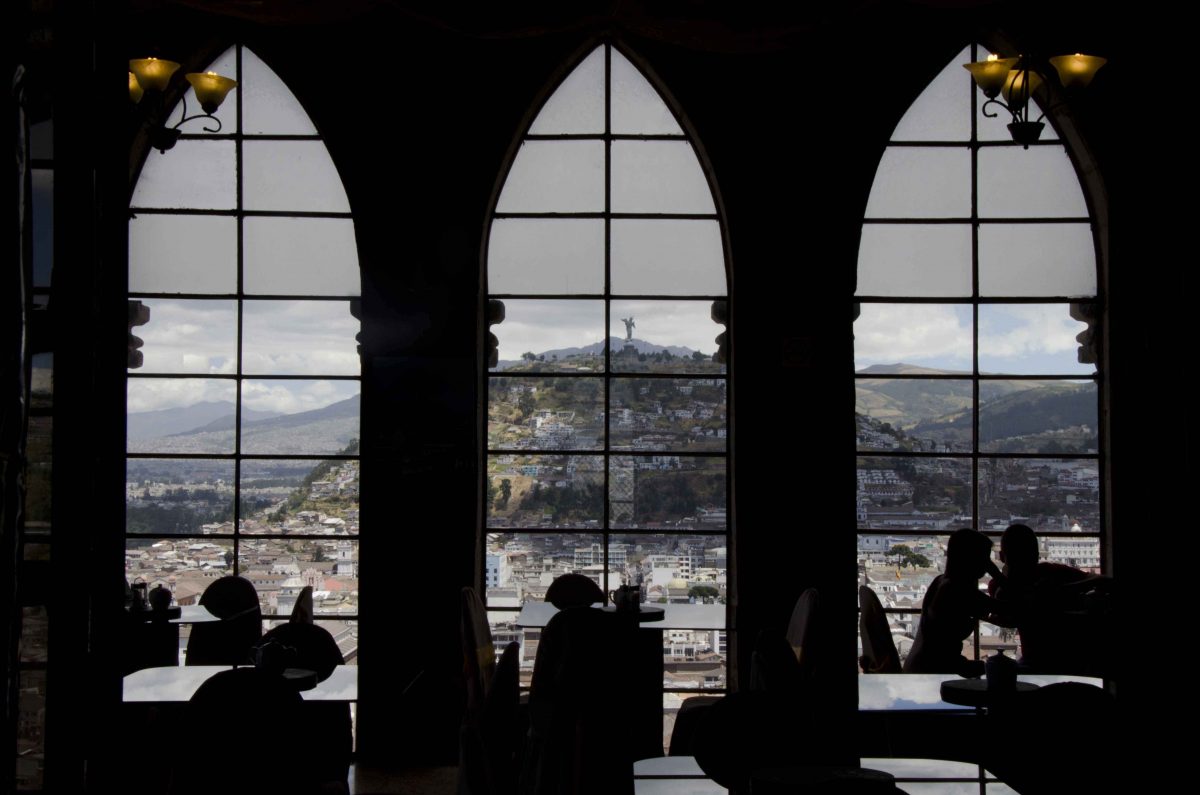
(951, 606)
(1041, 599)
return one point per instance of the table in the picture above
(169, 684)
(904, 714)
(647, 651)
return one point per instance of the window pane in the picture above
(186, 565)
(298, 497)
(1029, 339)
(300, 417)
(675, 569)
(291, 175)
(1038, 417)
(658, 177)
(225, 65)
(664, 337)
(668, 414)
(34, 634)
(665, 257)
(1048, 495)
(195, 174)
(41, 387)
(299, 338)
(548, 491)
(899, 568)
(915, 260)
(1037, 259)
(912, 338)
(189, 337)
(1079, 552)
(182, 254)
(555, 176)
(943, 110)
(269, 106)
(277, 566)
(545, 413)
(667, 492)
(167, 497)
(577, 105)
(914, 493)
(914, 415)
(41, 140)
(180, 415)
(1023, 183)
(39, 441)
(42, 202)
(636, 107)
(520, 566)
(551, 336)
(926, 182)
(300, 256)
(540, 255)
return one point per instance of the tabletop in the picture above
(178, 683)
(923, 691)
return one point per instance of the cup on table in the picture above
(627, 597)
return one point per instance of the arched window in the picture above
(607, 421)
(976, 405)
(243, 418)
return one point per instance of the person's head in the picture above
(967, 553)
(1018, 548)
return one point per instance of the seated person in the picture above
(951, 606)
(1044, 601)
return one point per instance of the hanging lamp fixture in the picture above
(1010, 82)
(151, 76)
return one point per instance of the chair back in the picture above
(579, 742)
(573, 590)
(228, 641)
(314, 648)
(488, 741)
(879, 650)
(801, 629)
(244, 717)
(302, 611)
(479, 653)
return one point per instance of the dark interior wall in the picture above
(420, 115)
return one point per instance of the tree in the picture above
(701, 592)
(505, 492)
(529, 356)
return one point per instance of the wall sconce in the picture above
(1017, 78)
(152, 75)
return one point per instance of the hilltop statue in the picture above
(629, 326)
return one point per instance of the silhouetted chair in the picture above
(302, 611)
(754, 729)
(879, 650)
(1078, 721)
(579, 743)
(328, 722)
(479, 653)
(245, 724)
(773, 665)
(226, 642)
(573, 590)
(489, 739)
(801, 630)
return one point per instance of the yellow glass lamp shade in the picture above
(153, 74)
(1014, 87)
(1077, 70)
(135, 89)
(211, 89)
(990, 74)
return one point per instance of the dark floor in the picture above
(377, 780)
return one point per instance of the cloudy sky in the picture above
(1022, 339)
(279, 338)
